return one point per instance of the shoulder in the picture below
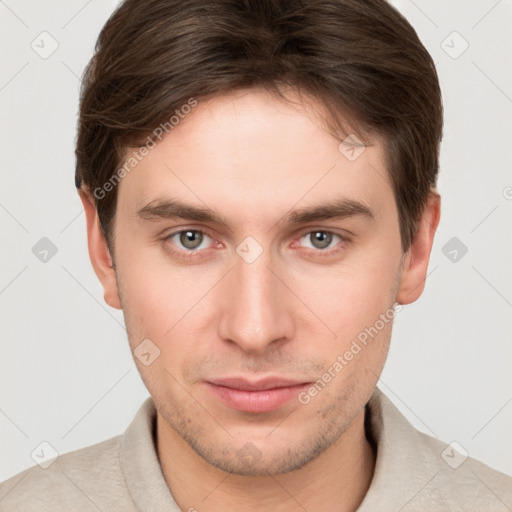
(417, 472)
(86, 479)
(460, 480)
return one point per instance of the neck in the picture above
(337, 480)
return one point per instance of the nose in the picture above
(257, 309)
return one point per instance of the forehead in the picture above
(252, 150)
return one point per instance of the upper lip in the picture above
(258, 385)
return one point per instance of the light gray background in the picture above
(67, 375)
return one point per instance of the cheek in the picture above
(353, 295)
(156, 302)
(357, 305)
(157, 307)
(164, 303)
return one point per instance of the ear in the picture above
(99, 252)
(417, 257)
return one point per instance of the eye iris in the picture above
(191, 239)
(321, 239)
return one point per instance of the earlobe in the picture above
(417, 258)
(99, 253)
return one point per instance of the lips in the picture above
(264, 395)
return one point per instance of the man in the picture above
(259, 183)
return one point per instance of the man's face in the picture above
(262, 298)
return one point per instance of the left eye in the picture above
(320, 239)
(191, 239)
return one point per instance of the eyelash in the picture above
(191, 254)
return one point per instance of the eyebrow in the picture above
(168, 209)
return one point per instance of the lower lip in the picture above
(256, 401)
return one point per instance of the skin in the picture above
(289, 313)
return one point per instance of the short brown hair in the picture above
(357, 57)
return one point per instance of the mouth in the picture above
(261, 396)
